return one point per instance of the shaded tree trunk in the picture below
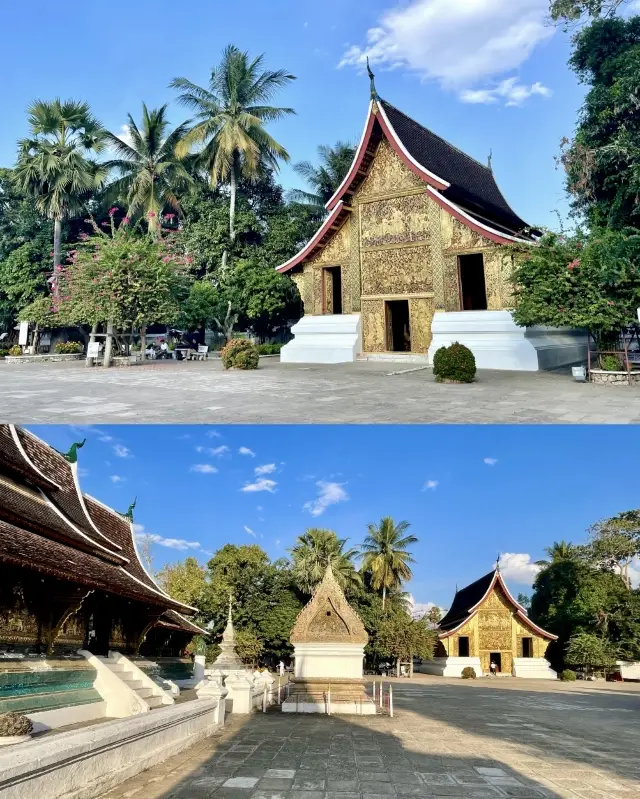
(233, 191)
(57, 247)
(108, 344)
(92, 338)
(143, 343)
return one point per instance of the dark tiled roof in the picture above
(472, 184)
(464, 600)
(173, 620)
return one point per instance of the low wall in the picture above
(86, 763)
(600, 377)
(76, 356)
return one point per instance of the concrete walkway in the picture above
(446, 739)
(362, 392)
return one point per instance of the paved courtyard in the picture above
(482, 740)
(362, 392)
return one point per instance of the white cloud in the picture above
(246, 451)
(105, 438)
(203, 468)
(490, 461)
(262, 484)
(259, 507)
(509, 90)
(250, 531)
(431, 485)
(115, 478)
(172, 543)
(268, 468)
(213, 434)
(328, 494)
(518, 567)
(82, 472)
(121, 451)
(215, 451)
(461, 44)
(277, 542)
(418, 609)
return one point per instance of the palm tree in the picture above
(314, 550)
(325, 178)
(385, 555)
(229, 122)
(557, 552)
(53, 165)
(152, 175)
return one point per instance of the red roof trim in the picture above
(310, 245)
(357, 159)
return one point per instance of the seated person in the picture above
(164, 350)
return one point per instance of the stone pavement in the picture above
(362, 392)
(446, 739)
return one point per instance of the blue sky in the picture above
(485, 75)
(469, 492)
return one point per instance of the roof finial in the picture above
(130, 509)
(72, 454)
(498, 563)
(372, 79)
(489, 160)
(230, 603)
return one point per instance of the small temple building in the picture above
(328, 638)
(484, 624)
(71, 581)
(411, 257)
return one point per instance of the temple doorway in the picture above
(463, 646)
(497, 659)
(398, 326)
(473, 292)
(332, 290)
(527, 647)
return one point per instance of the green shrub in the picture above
(610, 363)
(68, 347)
(468, 673)
(3, 353)
(455, 363)
(14, 724)
(239, 353)
(15, 351)
(568, 675)
(269, 349)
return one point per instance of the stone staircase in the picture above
(133, 678)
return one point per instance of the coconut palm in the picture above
(314, 550)
(325, 178)
(558, 551)
(54, 167)
(385, 555)
(151, 174)
(229, 121)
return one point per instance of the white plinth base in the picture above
(533, 669)
(498, 343)
(629, 670)
(450, 666)
(333, 338)
(336, 708)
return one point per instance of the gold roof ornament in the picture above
(328, 617)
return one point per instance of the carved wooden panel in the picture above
(397, 271)
(337, 250)
(421, 316)
(373, 326)
(328, 624)
(396, 220)
(451, 283)
(387, 174)
(316, 273)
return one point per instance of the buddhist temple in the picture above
(71, 582)
(486, 624)
(328, 639)
(411, 257)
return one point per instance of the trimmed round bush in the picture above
(239, 354)
(468, 673)
(454, 364)
(567, 675)
(610, 363)
(15, 351)
(272, 348)
(68, 347)
(14, 724)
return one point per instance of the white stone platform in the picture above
(498, 343)
(364, 708)
(533, 669)
(450, 666)
(332, 338)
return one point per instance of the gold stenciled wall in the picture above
(398, 243)
(495, 628)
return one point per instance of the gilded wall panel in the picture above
(336, 251)
(421, 316)
(373, 326)
(387, 174)
(327, 277)
(300, 279)
(438, 260)
(353, 283)
(493, 279)
(459, 237)
(316, 273)
(406, 270)
(395, 220)
(451, 285)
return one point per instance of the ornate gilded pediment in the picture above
(328, 617)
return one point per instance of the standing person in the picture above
(281, 668)
(494, 667)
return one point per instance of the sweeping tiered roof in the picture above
(464, 187)
(48, 525)
(328, 617)
(469, 599)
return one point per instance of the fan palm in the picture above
(229, 121)
(325, 178)
(385, 555)
(558, 551)
(314, 550)
(54, 167)
(151, 174)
